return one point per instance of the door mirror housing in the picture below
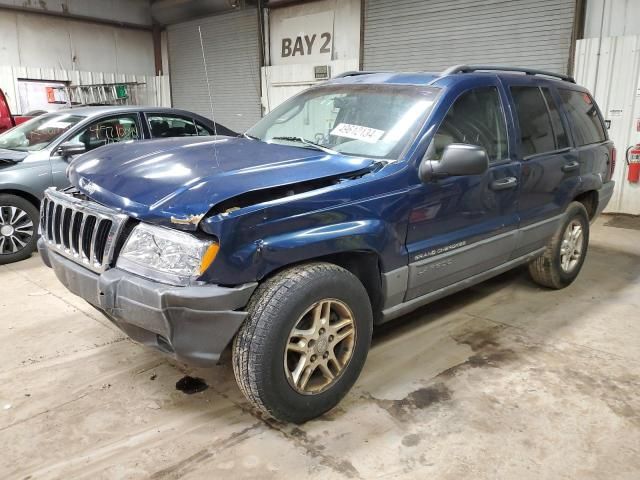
(69, 149)
(458, 159)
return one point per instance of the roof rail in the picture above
(497, 68)
(354, 73)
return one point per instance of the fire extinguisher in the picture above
(633, 161)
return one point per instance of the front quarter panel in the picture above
(367, 214)
(31, 177)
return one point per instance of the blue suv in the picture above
(351, 204)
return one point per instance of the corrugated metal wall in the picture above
(231, 45)
(610, 68)
(430, 35)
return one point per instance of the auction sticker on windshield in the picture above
(358, 132)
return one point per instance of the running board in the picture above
(406, 307)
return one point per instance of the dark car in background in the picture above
(35, 155)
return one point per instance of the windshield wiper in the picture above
(250, 137)
(307, 142)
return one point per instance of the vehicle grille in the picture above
(79, 229)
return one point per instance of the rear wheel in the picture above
(304, 342)
(18, 228)
(565, 253)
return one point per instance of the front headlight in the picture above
(166, 255)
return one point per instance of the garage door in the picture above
(430, 35)
(233, 62)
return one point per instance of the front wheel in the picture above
(304, 342)
(565, 252)
(18, 228)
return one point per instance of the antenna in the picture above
(206, 75)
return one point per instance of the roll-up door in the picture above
(231, 47)
(430, 35)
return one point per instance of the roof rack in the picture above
(355, 73)
(497, 68)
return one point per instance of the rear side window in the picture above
(167, 125)
(583, 116)
(475, 118)
(536, 130)
(562, 141)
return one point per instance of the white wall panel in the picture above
(35, 40)
(611, 18)
(154, 92)
(345, 28)
(8, 40)
(134, 12)
(610, 68)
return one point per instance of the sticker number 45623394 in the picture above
(358, 132)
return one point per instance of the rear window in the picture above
(583, 115)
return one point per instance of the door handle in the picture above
(571, 166)
(504, 183)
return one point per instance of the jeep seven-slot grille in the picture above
(81, 230)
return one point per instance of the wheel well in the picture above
(590, 201)
(27, 196)
(366, 267)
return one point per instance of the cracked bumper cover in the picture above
(192, 324)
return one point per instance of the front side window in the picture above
(583, 115)
(38, 133)
(376, 121)
(119, 128)
(163, 126)
(475, 118)
(536, 130)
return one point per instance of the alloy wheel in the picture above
(572, 246)
(16, 229)
(319, 346)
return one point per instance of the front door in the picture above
(461, 226)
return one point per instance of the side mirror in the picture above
(457, 159)
(69, 149)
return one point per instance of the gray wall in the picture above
(429, 35)
(231, 45)
(616, 18)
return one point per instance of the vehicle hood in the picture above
(169, 181)
(12, 156)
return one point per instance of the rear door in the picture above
(461, 226)
(592, 147)
(550, 167)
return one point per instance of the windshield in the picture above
(366, 120)
(38, 132)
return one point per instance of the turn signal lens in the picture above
(209, 257)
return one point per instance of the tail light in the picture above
(612, 164)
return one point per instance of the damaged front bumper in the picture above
(193, 324)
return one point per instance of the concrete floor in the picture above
(505, 380)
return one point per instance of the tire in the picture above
(18, 228)
(263, 359)
(549, 269)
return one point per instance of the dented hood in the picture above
(183, 177)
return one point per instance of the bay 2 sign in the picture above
(304, 39)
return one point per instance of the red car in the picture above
(7, 120)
